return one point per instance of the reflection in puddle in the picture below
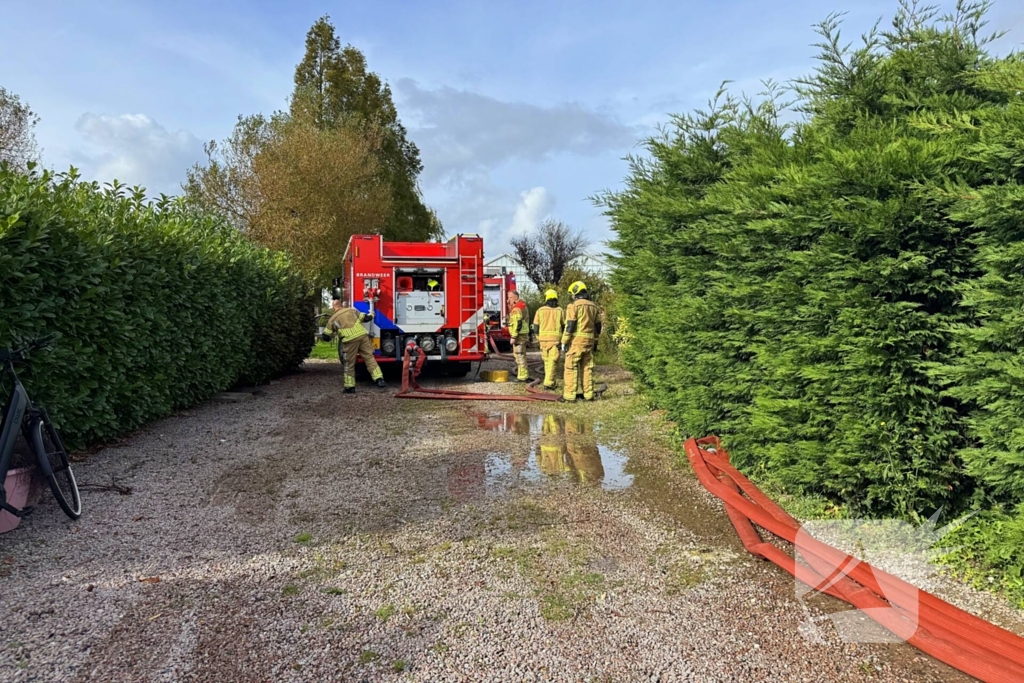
(556, 447)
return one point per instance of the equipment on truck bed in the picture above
(498, 282)
(431, 293)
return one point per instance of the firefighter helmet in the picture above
(577, 287)
(550, 294)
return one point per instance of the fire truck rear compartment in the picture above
(419, 312)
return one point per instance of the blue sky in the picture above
(522, 110)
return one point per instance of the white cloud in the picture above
(135, 149)
(460, 132)
(465, 137)
(534, 205)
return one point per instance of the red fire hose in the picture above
(412, 389)
(934, 626)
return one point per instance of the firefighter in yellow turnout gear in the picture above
(551, 452)
(548, 325)
(348, 323)
(583, 321)
(519, 331)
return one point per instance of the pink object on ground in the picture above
(20, 492)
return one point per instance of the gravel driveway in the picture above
(311, 536)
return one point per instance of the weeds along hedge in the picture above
(159, 307)
(836, 287)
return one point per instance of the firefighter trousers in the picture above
(519, 352)
(579, 369)
(549, 352)
(360, 346)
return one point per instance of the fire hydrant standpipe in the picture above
(935, 627)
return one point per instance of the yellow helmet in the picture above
(577, 287)
(550, 294)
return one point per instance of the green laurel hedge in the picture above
(838, 291)
(159, 307)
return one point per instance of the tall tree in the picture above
(17, 141)
(292, 186)
(547, 254)
(320, 188)
(334, 87)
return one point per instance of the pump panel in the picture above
(420, 311)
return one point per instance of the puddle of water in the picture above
(540, 449)
(557, 448)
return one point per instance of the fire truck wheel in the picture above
(458, 369)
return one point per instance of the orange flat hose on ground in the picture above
(949, 634)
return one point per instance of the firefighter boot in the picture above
(381, 383)
(350, 390)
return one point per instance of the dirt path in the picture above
(311, 536)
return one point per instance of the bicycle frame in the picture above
(13, 418)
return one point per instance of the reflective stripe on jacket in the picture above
(550, 322)
(585, 314)
(517, 324)
(349, 323)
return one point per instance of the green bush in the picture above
(839, 297)
(799, 288)
(159, 307)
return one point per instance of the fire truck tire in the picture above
(458, 369)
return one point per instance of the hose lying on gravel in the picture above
(412, 389)
(934, 626)
(533, 387)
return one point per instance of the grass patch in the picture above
(399, 665)
(571, 595)
(802, 506)
(384, 613)
(290, 590)
(335, 591)
(303, 538)
(556, 607)
(987, 554)
(523, 514)
(684, 575)
(325, 350)
(368, 656)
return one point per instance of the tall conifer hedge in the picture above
(841, 298)
(159, 307)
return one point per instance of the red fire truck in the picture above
(428, 291)
(498, 282)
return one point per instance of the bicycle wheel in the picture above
(53, 460)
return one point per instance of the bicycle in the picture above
(39, 432)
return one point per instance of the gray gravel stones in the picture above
(310, 536)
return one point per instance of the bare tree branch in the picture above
(546, 254)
